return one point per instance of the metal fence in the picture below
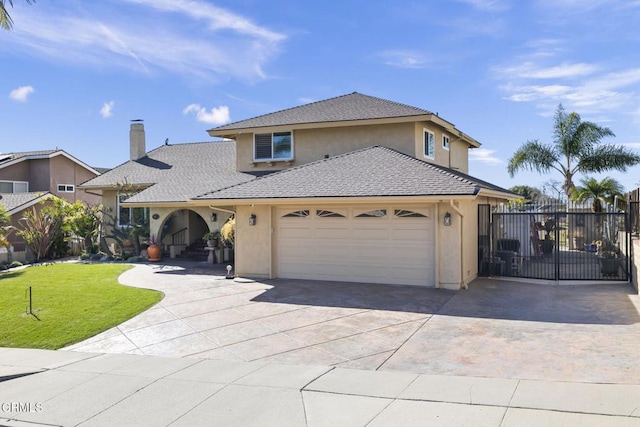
(556, 245)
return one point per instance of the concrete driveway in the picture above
(496, 329)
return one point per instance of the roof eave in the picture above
(333, 200)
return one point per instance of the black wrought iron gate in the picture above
(554, 245)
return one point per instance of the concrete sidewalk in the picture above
(68, 388)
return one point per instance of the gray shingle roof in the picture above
(354, 106)
(370, 172)
(177, 172)
(14, 201)
(8, 157)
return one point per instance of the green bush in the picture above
(15, 264)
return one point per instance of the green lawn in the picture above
(72, 302)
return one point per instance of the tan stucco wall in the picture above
(66, 171)
(448, 248)
(456, 157)
(46, 174)
(39, 173)
(253, 246)
(17, 172)
(310, 145)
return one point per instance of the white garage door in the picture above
(375, 245)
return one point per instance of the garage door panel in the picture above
(374, 250)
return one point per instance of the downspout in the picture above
(462, 283)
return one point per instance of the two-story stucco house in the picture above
(353, 188)
(28, 177)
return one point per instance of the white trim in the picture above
(272, 159)
(426, 132)
(49, 156)
(65, 188)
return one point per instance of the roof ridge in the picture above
(285, 109)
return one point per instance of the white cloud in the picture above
(484, 155)
(21, 93)
(107, 109)
(531, 70)
(404, 59)
(159, 35)
(217, 115)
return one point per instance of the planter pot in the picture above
(609, 266)
(154, 252)
(212, 243)
(547, 246)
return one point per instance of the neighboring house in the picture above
(16, 205)
(27, 178)
(353, 188)
(54, 171)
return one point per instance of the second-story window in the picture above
(14, 187)
(273, 146)
(429, 144)
(445, 142)
(66, 188)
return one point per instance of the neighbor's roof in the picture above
(16, 202)
(8, 159)
(175, 173)
(370, 172)
(354, 106)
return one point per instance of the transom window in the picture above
(445, 142)
(429, 144)
(328, 214)
(273, 146)
(376, 213)
(403, 213)
(297, 214)
(128, 217)
(14, 187)
(66, 188)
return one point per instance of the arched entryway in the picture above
(182, 230)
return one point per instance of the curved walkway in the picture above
(494, 329)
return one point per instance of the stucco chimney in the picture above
(136, 140)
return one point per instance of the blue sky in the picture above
(74, 73)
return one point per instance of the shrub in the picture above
(15, 264)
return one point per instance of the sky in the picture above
(74, 73)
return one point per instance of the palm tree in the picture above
(599, 192)
(576, 148)
(6, 22)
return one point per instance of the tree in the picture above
(6, 22)
(599, 192)
(41, 229)
(577, 148)
(84, 221)
(528, 193)
(5, 227)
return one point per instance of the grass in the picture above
(72, 302)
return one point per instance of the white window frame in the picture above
(446, 142)
(66, 188)
(13, 184)
(272, 159)
(427, 134)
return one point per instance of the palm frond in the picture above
(533, 156)
(607, 157)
